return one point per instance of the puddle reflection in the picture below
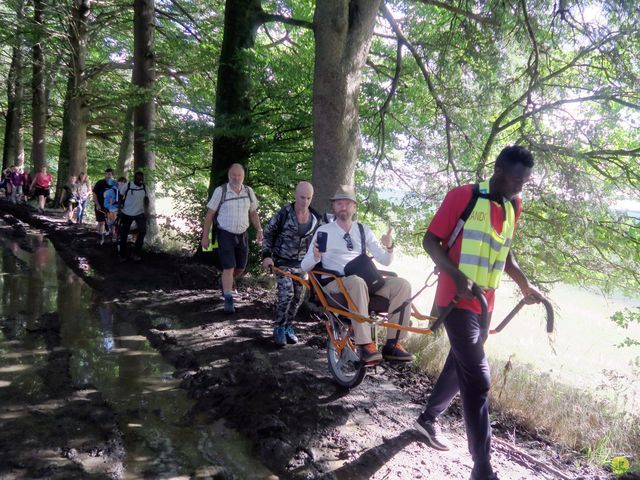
(108, 354)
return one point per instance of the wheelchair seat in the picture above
(377, 303)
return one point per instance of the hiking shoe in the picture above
(432, 432)
(397, 353)
(136, 258)
(228, 305)
(280, 336)
(291, 335)
(483, 472)
(369, 353)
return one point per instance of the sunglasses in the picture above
(347, 238)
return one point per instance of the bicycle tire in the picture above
(345, 366)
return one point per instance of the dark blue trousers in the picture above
(466, 370)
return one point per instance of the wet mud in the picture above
(278, 406)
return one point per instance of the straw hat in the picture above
(345, 192)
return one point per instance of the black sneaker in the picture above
(432, 432)
(397, 353)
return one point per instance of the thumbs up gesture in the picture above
(387, 238)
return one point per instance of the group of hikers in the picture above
(19, 185)
(468, 253)
(118, 203)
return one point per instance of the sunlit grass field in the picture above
(582, 352)
(577, 385)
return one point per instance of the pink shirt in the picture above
(43, 180)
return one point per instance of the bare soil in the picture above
(300, 424)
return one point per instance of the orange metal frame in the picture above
(353, 315)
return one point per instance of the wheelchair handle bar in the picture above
(484, 316)
(518, 307)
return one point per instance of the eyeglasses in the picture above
(347, 238)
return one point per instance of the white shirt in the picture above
(338, 255)
(134, 200)
(233, 214)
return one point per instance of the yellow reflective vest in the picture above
(484, 251)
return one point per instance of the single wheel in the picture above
(344, 363)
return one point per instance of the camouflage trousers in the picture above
(290, 294)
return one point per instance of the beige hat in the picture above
(345, 192)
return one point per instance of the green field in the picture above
(584, 352)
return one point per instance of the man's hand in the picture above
(259, 236)
(267, 263)
(317, 254)
(204, 242)
(531, 294)
(387, 239)
(464, 286)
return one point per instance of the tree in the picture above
(38, 88)
(13, 152)
(73, 147)
(343, 31)
(144, 115)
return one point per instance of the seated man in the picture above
(343, 245)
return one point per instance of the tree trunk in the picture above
(13, 153)
(145, 113)
(125, 154)
(343, 31)
(232, 131)
(39, 96)
(73, 148)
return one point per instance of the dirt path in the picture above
(301, 425)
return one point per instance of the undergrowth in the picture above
(575, 418)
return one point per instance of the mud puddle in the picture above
(82, 392)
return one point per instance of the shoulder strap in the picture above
(363, 238)
(475, 193)
(223, 198)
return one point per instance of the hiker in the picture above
(16, 179)
(135, 202)
(477, 256)
(347, 240)
(42, 182)
(286, 240)
(69, 199)
(112, 205)
(232, 207)
(98, 201)
(83, 187)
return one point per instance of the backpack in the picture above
(122, 198)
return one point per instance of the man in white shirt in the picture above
(343, 245)
(233, 206)
(134, 204)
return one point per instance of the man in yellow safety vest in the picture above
(469, 240)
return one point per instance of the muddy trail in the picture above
(267, 412)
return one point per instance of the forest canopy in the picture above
(431, 92)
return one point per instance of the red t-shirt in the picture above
(42, 180)
(442, 226)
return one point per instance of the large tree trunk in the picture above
(73, 147)
(39, 95)
(125, 153)
(13, 152)
(144, 115)
(343, 31)
(232, 131)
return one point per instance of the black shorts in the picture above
(69, 201)
(233, 249)
(101, 215)
(41, 191)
